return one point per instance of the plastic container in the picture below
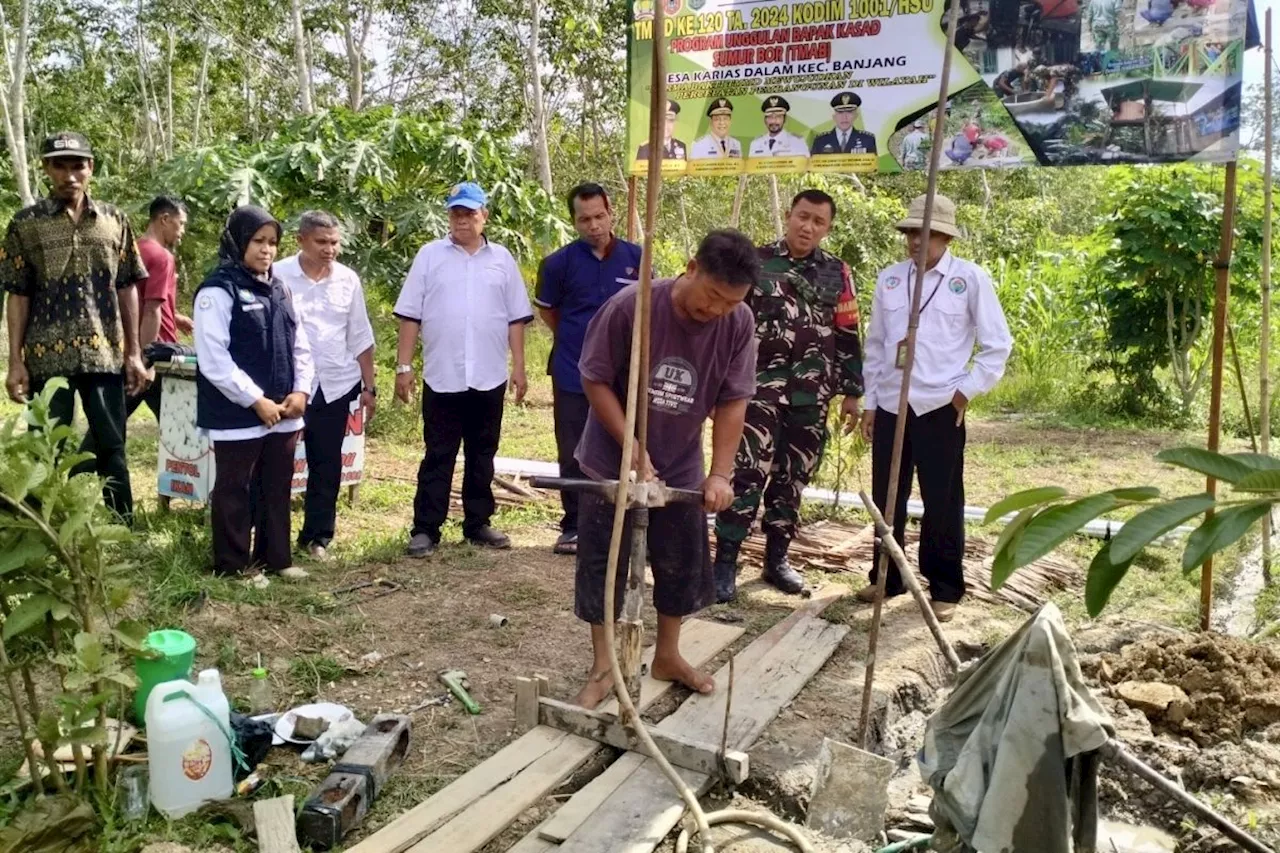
(260, 699)
(177, 653)
(189, 754)
(134, 793)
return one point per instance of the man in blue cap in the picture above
(465, 299)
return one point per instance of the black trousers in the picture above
(326, 427)
(469, 419)
(102, 396)
(934, 449)
(570, 411)
(251, 492)
(151, 397)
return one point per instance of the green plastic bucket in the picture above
(177, 651)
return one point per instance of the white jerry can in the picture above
(188, 753)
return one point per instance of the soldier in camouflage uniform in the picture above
(807, 331)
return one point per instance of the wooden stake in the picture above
(738, 194)
(900, 427)
(631, 209)
(1264, 348)
(777, 205)
(1244, 392)
(1222, 292)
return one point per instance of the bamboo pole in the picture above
(900, 425)
(777, 205)
(1244, 392)
(736, 216)
(1222, 292)
(1264, 349)
(631, 209)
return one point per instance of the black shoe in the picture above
(567, 543)
(726, 582)
(777, 571)
(421, 545)
(487, 537)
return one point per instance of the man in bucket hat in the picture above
(958, 308)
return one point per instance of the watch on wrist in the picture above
(371, 391)
(403, 368)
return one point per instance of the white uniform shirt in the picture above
(212, 322)
(466, 305)
(709, 148)
(784, 144)
(961, 308)
(337, 322)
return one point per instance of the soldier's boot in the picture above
(726, 570)
(777, 570)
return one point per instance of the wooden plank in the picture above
(486, 818)
(680, 750)
(639, 814)
(526, 704)
(531, 843)
(273, 820)
(579, 807)
(419, 821)
(590, 797)
(699, 642)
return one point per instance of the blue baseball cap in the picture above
(467, 195)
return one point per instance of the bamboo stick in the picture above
(1264, 353)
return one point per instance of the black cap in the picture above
(846, 102)
(673, 107)
(66, 143)
(720, 106)
(774, 103)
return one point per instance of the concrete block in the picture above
(850, 792)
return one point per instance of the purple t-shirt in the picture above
(693, 368)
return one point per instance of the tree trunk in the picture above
(14, 100)
(169, 97)
(300, 57)
(541, 153)
(355, 56)
(142, 85)
(200, 90)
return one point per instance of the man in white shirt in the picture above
(958, 308)
(777, 142)
(718, 144)
(330, 303)
(466, 300)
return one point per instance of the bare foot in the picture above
(599, 687)
(681, 671)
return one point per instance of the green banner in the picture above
(852, 85)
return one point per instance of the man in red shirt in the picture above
(158, 293)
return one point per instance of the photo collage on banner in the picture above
(852, 85)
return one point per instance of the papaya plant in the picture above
(1046, 516)
(62, 591)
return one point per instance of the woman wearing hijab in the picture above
(254, 378)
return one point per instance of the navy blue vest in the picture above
(263, 327)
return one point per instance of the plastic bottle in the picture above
(260, 699)
(189, 750)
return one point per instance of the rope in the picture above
(237, 755)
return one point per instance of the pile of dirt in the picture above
(1208, 687)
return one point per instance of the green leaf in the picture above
(1136, 493)
(1022, 500)
(1002, 563)
(1055, 525)
(28, 549)
(1154, 522)
(95, 736)
(1259, 481)
(1216, 465)
(131, 634)
(1257, 461)
(28, 614)
(1104, 575)
(1220, 531)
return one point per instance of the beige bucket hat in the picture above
(944, 216)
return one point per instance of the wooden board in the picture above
(681, 751)
(273, 820)
(645, 807)
(461, 792)
(700, 641)
(573, 813)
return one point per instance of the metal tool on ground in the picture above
(456, 681)
(435, 701)
(640, 498)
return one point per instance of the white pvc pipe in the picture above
(1099, 528)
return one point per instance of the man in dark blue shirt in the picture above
(572, 285)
